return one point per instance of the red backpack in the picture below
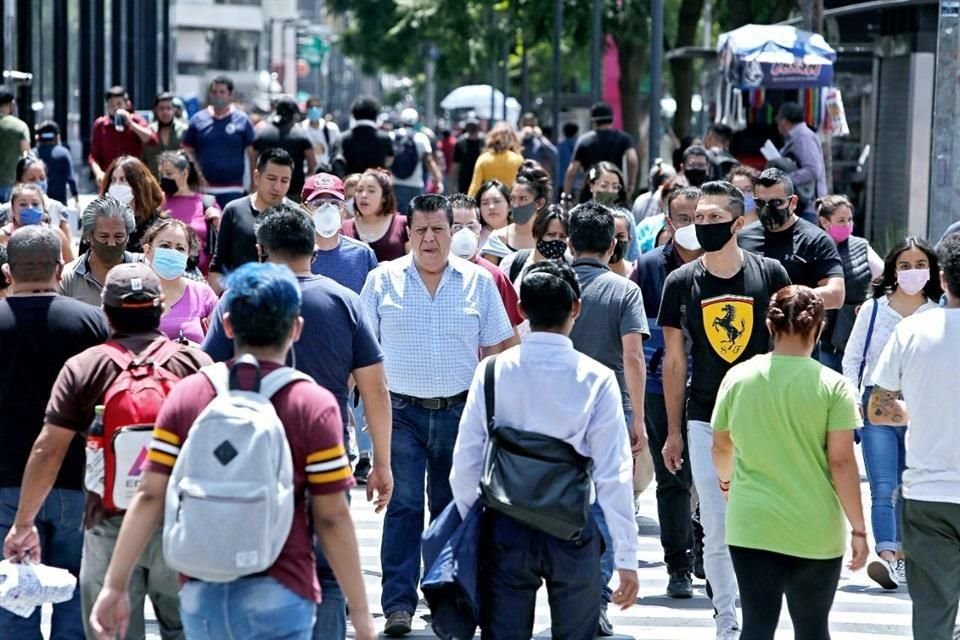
(131, 406)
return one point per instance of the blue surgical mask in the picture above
(169, 264)
(31, 215)
(314, 114)
(219, 103)
(42, 184)
(748, 203)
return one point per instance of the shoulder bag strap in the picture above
(489, 395)
(519, 260)
(866, 343)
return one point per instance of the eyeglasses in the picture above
(776, 203)
(473, 226)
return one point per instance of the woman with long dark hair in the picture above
(180, 181)
(530, 194)
(377, 221)
(909, 284)
(605, 184)
(783, 432)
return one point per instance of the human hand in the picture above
(638, 434)
(379, 482)
(123, 113)
(860, 549)
(626, 594)
(22, 543)
(362, 623)
(111, 614)
(673, 453)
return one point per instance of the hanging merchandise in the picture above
(834, 116)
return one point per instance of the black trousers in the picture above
(514, 559)
(764, 577)
(673, 491)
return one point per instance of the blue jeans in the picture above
(422, 444)
(60, 524)
(514, 559)
(404, 196)
(331, 622)
(257, 608)
(885, 457)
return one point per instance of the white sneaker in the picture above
(884, 573)
(729, 634)
(901, 571)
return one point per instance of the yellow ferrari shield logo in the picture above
(728, 322)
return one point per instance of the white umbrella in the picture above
(477, 97)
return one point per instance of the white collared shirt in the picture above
(545, 386)
(431, 344)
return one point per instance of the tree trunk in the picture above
(632, 58)
(681, 70)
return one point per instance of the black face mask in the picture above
(771, 217)
(619, 250)
(552, 249)
(696, 177)
(713, 237)
(169, 186)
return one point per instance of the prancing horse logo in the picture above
(728, 323)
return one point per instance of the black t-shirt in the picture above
(293, 140)
(237, 238)
(805, 251)
(723, 321)
(37, 335)
(605, 145)
(465, 154)
(365, 147)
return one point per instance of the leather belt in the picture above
(434, 404)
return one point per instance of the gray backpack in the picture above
(229, 503)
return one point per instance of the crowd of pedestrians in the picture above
(502, 358)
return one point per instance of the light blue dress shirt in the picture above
(547, 387)
(431, 345)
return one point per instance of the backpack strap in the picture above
(119, 354)
(489, 395)
(276, 380)
(219, 376)
(519, 260)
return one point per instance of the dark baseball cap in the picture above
(322, 184)
(601, 111)
(132, 285)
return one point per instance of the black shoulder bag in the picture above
(536, 479)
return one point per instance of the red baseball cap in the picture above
(322, 184)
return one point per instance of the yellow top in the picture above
(495, 166)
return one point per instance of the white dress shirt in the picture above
(547, 387)
(431, 344)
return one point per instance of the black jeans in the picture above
(764, 577)
(514, 559)
(673, 491)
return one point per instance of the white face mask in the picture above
(121, 192)
(326, 219)
(464, 244)
(686, 237)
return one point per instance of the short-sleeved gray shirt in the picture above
(611, 307)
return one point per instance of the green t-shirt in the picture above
(12, 131)
(778, 410)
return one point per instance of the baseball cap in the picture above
(132, 285)
(47, 130)
(601, 111)
(409, 116)
(322, 184)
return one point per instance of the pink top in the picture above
(190, 209)
(195, 305)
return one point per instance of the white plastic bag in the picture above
(24, 587)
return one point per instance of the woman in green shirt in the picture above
(783, 447)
